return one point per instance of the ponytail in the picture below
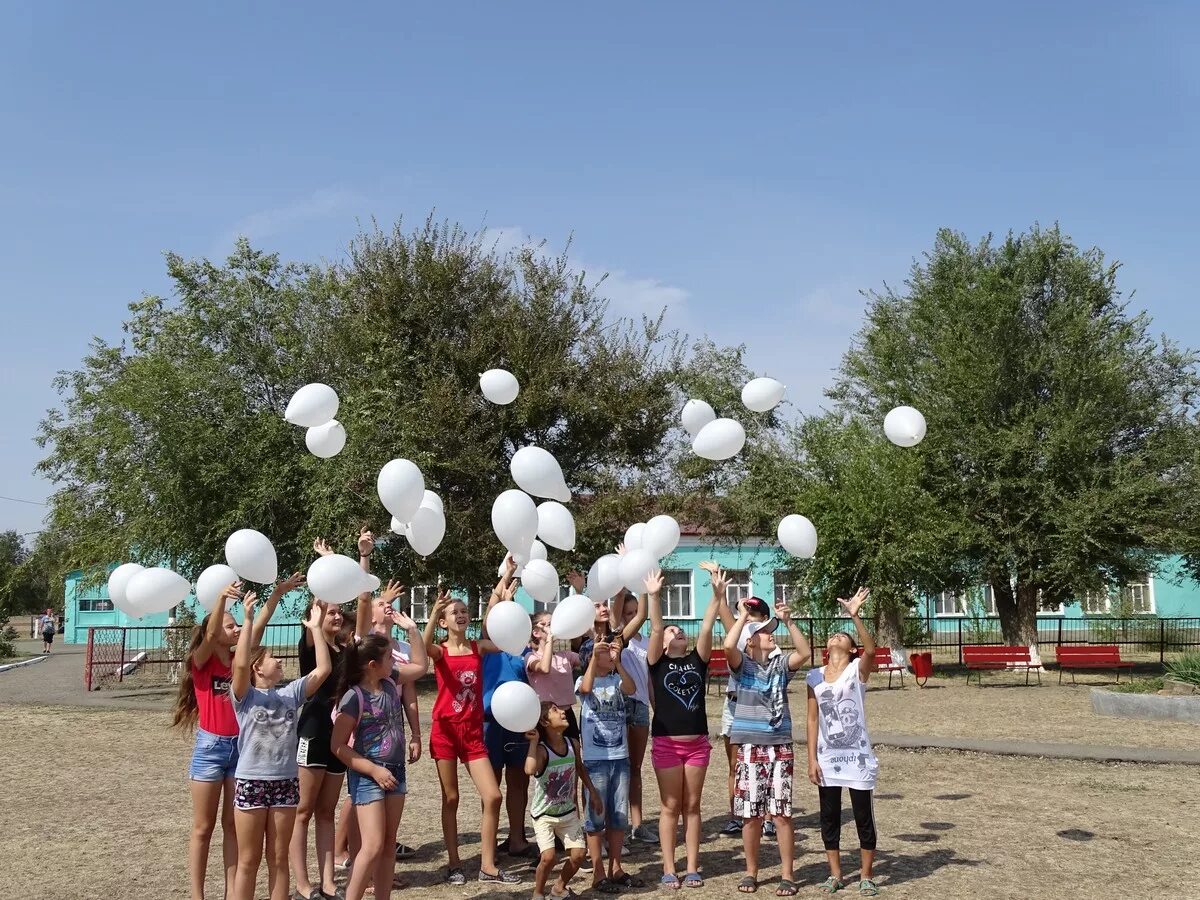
(187, 711)
(372, 648)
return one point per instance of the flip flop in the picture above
(787, 888)
(831, 885)
(693, 880)
(669, 881)
(748, 885)
(868, 888)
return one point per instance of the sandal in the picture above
(626, 880)
(787, 888)
(867, 888)
(693, 880)
(566, 895)
(604, 886)
(669, 881)
(748, 885)
(831, 885)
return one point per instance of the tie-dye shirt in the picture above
(379, 732)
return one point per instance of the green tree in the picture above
(16, 594)
(174, 438)
(1062, 435)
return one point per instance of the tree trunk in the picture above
(889, 627)
(1018, 609)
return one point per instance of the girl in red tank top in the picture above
(457, 732)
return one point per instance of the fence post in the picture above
(960, 655)
(812, 650)
(121, 658)
(87, 662)
(1162, 642)
(1059, 644)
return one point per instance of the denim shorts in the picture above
(637, 713)
(611, 778)
(214, 757)
(364, 790)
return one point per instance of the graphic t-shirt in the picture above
(679, 708)
(210, 683)
(267, 740)
(602, 722)
(379, 733)
(760, 706)
(460, 688)
(633, 658)
(46, 623)
(554, 786)
(558, 685)
(844, 750)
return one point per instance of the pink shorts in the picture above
(669, 752)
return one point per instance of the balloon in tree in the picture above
(904, 426)
(696, 414)
(720, 439)
(499, 387)
(325, 441)
(661, 536)
(537, 472)
(556, 525)
(312, 405)
(798, 536)
(401, 488)
(762, 394)
(515, 521)
(118, 582)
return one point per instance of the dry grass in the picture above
(115, 822)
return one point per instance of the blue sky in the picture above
(750, 167)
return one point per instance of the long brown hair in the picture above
(186, 709)
(374, 647)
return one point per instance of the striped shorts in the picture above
(763, 780)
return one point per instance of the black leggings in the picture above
(831, 817)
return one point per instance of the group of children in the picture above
(272, 759)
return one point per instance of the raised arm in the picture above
(418, 663)
(439, 607)
(240, 683)
(545, 652)
(658, 628)
(588, 681)
(628, 687)
(268, 609)
(704, 642)
(366, 546)
(535, 756)
(801, 652)
(866, 640)
(216, 621)
(317, 676)
(720, 593)
(635, 624)
(505, 589)
(732, 654)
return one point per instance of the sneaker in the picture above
(586, 865)
(732, 827)
(456, 876)
(769, 828)
(647, 834)
(501, 877)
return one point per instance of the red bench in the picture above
(884, 662)
(718, 666)
(1090, 656)
(980, 659)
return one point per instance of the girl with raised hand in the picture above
(203, 700)
(839, 748)
(679, 730)
(457, 732)
(371, 709)
(267, 788)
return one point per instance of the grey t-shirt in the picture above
(267, 731)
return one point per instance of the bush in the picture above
(8, 642)
(1186, 668)
(1141, 686)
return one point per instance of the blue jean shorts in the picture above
(611, 778)
(637, 713)
(363, 789)
(214, 757)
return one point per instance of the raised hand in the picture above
(854, 604)
(783, 613)
(232, 592)
(321, 547)
(710, 566)
(316, 616)
(620, 548)
(289, 584)
(440, 602)
(510, 567)
(393, 590)
(532, 736)
(402, 621)
(576, 580)
(654, 583)
(366, 544)
(615, 646)
(720, 580)
(248, 604)
(509, 590)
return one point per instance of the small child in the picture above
(267, 787)
(762, 727)
(602, 689)
(553, 765)
(552, 673)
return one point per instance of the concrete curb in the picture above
(1150, 707)
(1092, 752)
(24, 662)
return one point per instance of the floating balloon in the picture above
(312, 405)
(252, 556)
(156, 591)
(211, 582)
(537, 551)
(635, 566)
(516, 706)
(904, 426)
(325, 441)
(573, 618)
(696, 414)
(540, 580)
(430, 499)
(556, 525)
(426, 530)
(762, 394)
(397, 526)
(798, 536)
(518, 559)
(537, 472)
(515, 521)
(336, 579)
(634, 535)
(509, 627)
(370, 583)
(499, 386)
(720, 439)
(401, 488)
(118, 582)
(604, 577)
(661, 536)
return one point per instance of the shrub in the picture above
(1186, 668)
(8, 642)
(1141, 686)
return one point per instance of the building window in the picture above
(94, 604)
(1137, 598)
(677, 594)
(947, 604)
(785, 591)
(739, 587)
(422, 596)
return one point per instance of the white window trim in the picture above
(691, 573)
(1150, 593)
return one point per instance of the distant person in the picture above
(47, 627)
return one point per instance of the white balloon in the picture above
(540, 580)
(509, 627)
(762, 394)
(904, 426)
(516, 706)
(635, 566)
(604, 577)
(156, 590)
(118, 582)
(326, 441)
(252, 556)
(537, 472)
(515, 521)
(720, 439)
(573, 618)
(499, 386)
(370, 583)
(661, 536)
(401, 488)
(696, 414)
(537, 551)
(518, 559)
(798, 536)
(433, 501)
(397, 526)
(634, 535)
(312, 405)
(426, 530)
(211, 582)
(556, 525)
(336, 578)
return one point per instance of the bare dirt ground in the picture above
(95, 806)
